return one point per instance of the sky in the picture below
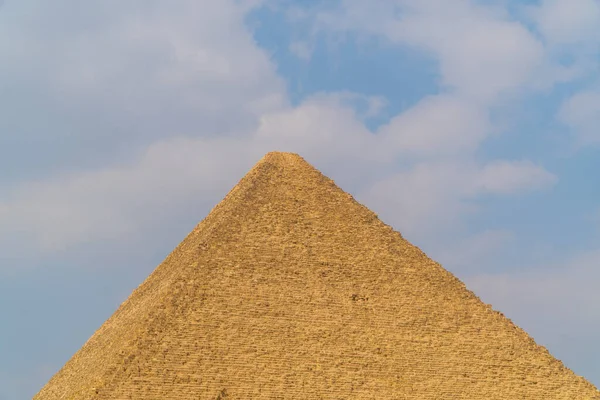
(469, 126)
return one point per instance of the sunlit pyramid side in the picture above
(290, 289)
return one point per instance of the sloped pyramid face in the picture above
(290, 289)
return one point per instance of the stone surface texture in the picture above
(290, 289)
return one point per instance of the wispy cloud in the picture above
(567, 23)
(581, 113)
(198, 91)
(301, 49)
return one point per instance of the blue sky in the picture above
(469, 126)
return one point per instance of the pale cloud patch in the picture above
(118, 201)
(328, 130)
(364, 106)
(484, 56)
(181, 176)
(581, 113)
(324, 126)
(148, 71)
(568, 22)
(237, 109)
(482, 53)
(157, 82)
(571, 37)
(421, 200)
(508, 177)
(170, 177)
(432, 197)
(438, 126)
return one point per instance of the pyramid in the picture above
(290, 289)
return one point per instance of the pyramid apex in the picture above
(281, 157)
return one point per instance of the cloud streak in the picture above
(212, 102)
(581, 113)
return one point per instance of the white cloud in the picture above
(433, 196)
(571, 37)
(364, 106)
(191, 71)
(324, 126)
(485, 56)
(117, 201)
(482, 53)
(155, 82)
(146, 70)
(568, 22)
(181, 175)
(170, 177)
(506, 177)
(421, 200)
(581, 113)
(438, 126)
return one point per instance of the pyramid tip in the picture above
(281, 157)
(283, 154)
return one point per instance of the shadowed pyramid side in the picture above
(291, 289)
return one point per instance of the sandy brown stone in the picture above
(290, 289)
